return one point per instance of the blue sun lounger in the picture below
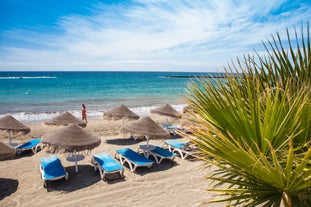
(159, 154)
(171, 128)
(51, 168)
(106, 164)
(181, 148)
(133, 159)
(32, 144)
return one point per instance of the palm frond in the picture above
(257, 125)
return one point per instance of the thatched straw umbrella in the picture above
(6, 151)
(121, 112)
(65, 118)
(10, 124)
(166, 110)
(145, 126)
(71, 138)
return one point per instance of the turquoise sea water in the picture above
(35, 96)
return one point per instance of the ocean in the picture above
(38, 96)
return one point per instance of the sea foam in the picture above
(29, 117)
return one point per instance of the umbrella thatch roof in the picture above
(166, 110)
(145, 126)
(8, 122)
(121, 112)
(6, 151)
(65, 118)
(72, 138)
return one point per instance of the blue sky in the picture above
(148, 35)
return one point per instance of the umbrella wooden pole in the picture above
(122, 126)
(75, 158)
(76, 162)
(10, 135)
(147, 137)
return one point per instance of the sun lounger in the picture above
(106, 164)
(171, 128)
(32, 144)
(51, 168)
(181, 148)
(159, 154)
(133, 159)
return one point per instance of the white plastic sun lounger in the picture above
(106, 165)
(159, 154)
(171, 128)
(179, 147)
(32, 144)
(51, 168)
(133, 159)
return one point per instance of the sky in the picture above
(139, 35)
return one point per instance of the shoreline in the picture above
(30, 117)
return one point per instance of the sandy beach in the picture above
(171, 183)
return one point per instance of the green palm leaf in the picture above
(257, 126)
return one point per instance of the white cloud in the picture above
(153, 35)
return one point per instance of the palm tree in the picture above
(257, 126)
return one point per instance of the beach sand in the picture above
(171, 183)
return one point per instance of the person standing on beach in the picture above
(84, 113)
